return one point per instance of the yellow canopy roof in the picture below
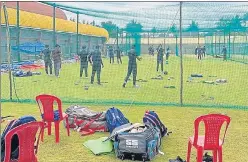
(28, 19)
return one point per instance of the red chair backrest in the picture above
(45, 103)
(213, 124)
(26, 134)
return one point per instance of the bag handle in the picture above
(86, 127)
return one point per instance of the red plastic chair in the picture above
(211, 140)
(28, 147)
(45, 103)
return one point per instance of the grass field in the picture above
(178, 120)
(153, 91)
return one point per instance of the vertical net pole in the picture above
(8, 49)
(215, 48)
(212, 45)
(164, 41)
(148, 39)
(181, 57)
(229, 44)
(77, 32)
(0, 61)
(54, 25)
(18, 31)
(233, 46)
(176, 46)
(198, 34)
(126, 42)
(219, 43)
(117, 37)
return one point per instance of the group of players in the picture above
(201, 52)
(95, 59)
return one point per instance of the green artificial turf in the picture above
(178, 120)
(234, 92)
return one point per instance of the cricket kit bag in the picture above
(152, 118)
(15, 141)
(138, 143)
(115, 118)
(85, 120)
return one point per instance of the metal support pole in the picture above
(0, 62)
(229, 44)
(198, 38)
(181, 57)
(126, 43)
(18, 31)
(219, 45)
(77, 32)
(54, 25)
(234, 43)
(215, 48)
(117, 37)
(8, 50)
(164, 41)
(176, 47)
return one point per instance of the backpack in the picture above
(115, 118)
(152, 117)
(15, 141)
(140, 142)
(85, 120)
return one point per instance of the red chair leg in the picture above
(214, 155)
(189, 151)
(57, 131)
(49, 125)
(199, 154)
(42, 135)
(67, 126)
(220, 154)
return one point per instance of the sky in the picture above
(159, 13)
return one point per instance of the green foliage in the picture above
(110, 27)
(134, 27)
(232, 24)
(193, 27)
(173, 28)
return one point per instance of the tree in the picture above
(234, 23)
(193, 27)
(154, 30)
(223, 23)
(134, 27)
(173, 28)
(110, 27)
(245, 19)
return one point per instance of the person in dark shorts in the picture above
(47, 59)
(167, 55)
(83, 62)
(160, 59)
(151, 50)
(132, 66)
(111, 54)
(224, 52)
(118, 55)
(56, 54)
(97, 64)
(199, 52)
(204, 51)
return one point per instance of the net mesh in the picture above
(219, 27)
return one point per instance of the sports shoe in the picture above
(124, 85)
